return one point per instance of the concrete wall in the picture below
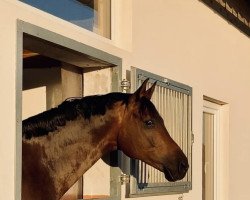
(182, 40)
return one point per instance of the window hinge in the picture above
(125, 85)
(124, 179)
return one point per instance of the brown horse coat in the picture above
(61, 144)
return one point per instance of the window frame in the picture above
(221, 111)
(105, 33)
(25, 29)
(133, 188)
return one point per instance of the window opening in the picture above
(173, 101)
(52, 73)
(93, 15)
(208, 156)
(215, 143)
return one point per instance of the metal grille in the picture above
(173, 101)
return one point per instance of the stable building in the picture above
(197, 51)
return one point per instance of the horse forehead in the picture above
(147, 107)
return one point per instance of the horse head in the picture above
(144, 136)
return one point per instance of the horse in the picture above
(61, 144)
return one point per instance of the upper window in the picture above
(93, 15)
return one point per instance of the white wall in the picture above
(188, 42)
(7, 106)
(182, 40)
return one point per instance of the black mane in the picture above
(86, 107)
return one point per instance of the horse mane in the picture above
(49, 121)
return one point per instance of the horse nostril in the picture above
(183, 166)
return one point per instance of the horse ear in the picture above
(142, 92)
(139, 92)
(150, 91)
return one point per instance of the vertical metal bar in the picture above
(180, 124)
(142, 171)
(145, 173)
(150, 174)
(174, 114)
(154, 172)
(189, 108)
(137, 171)
(185, 128)
(171, 109)
(177, 124)
(164, 104)
(139, 174)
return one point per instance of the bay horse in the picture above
(61, 144)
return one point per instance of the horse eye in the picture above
(149, 123)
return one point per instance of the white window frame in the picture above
(220, 111)
(24, 28)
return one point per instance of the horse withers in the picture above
(61, 144)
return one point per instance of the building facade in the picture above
(185, 41)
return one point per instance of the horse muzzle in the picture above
(177, 171)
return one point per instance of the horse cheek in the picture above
(124, 143)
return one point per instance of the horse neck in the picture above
(64, 155)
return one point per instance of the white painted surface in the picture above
(220, 147)
(33, 102)
(182, 40)
(188, 42)
(96, 181)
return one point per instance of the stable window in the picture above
(93, 15)
(52, 68)
(173, 100)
